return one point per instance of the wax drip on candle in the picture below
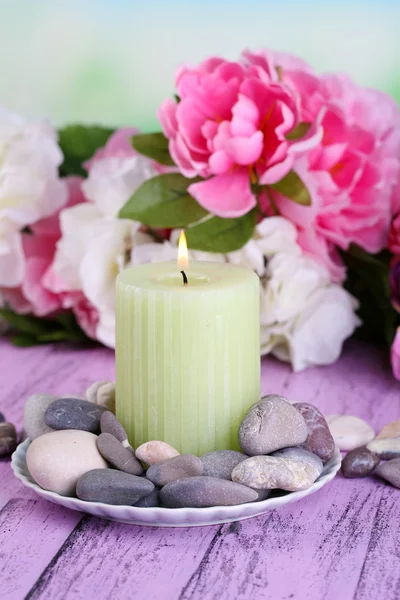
(185, 279)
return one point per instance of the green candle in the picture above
(188, 355)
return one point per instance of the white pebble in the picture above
(103, 394)
(349, 432)
(56, 460)
(155, 452)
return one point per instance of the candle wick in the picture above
(185, 279)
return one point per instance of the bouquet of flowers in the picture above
(262, 161)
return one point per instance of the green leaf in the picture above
(24, 340)
(163, 201)
(78, 143)
(293, 188)
(368, 279)
(298, 132)
(153, 145)
(222, 235)
(25, 323)
(61, 335)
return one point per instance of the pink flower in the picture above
(395, 355)
(230, 128)
(394, 236)
(353, 174)
(38, 246)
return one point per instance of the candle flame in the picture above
(183, 258)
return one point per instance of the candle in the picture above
(187, 353)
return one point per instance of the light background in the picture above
(112, 61)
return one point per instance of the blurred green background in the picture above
(113, 61)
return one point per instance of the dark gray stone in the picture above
(110, 424)
(112, 487)
(390, 471)
(271, 424)
(200, 492)
(319, 440)
(301, 455)
(114, 452)
(8, 439)
(149, 501)
(179, 467)
(71, 413)
(221, 463)
(2, 418)
(359, 462)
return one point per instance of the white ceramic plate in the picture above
(171, 517)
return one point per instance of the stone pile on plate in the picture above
(80, 449)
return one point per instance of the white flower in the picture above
(316, 337)
(113, 180)
(30, 188)
(89, 255)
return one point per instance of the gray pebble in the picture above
(302, 455)
(71, 413)
(359, 462)
(200, 492)
(112, 487)
(114, 452)
(2, 418)
(179, 467)
(221, 463)
(34, 412)
(271, 424)
(273, 472)
(8, 439)
(110, 424)
(149, 501)
(390, 471)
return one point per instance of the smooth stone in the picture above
(8, 439)
(349, 432)
(2, 418)
(391, 430)
(114, 452)
(271, 424)
(385, 448)
(71, 413)
(58, 459)
(155, 452)
(102, 393)
(221, 463)
(319, 440)
(179, 467)
(149, 501)
(261, 494)
(201, 492)
(112, 487)
(270, 472)
(34, 411)
(359, 462)
(110, 424)
(390, 471)
(302, 455)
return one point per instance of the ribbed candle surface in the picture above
(188, 357)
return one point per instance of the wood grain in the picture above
(343, 542)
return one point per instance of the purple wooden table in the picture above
(340, 543)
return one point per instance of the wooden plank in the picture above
(380, 573)
(108, 560)
(31, 531)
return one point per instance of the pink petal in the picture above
(43, 302)
(226, 195)
(190, 122)
(277, 172)
(220, 162)
(245, 151)
(167, 116)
